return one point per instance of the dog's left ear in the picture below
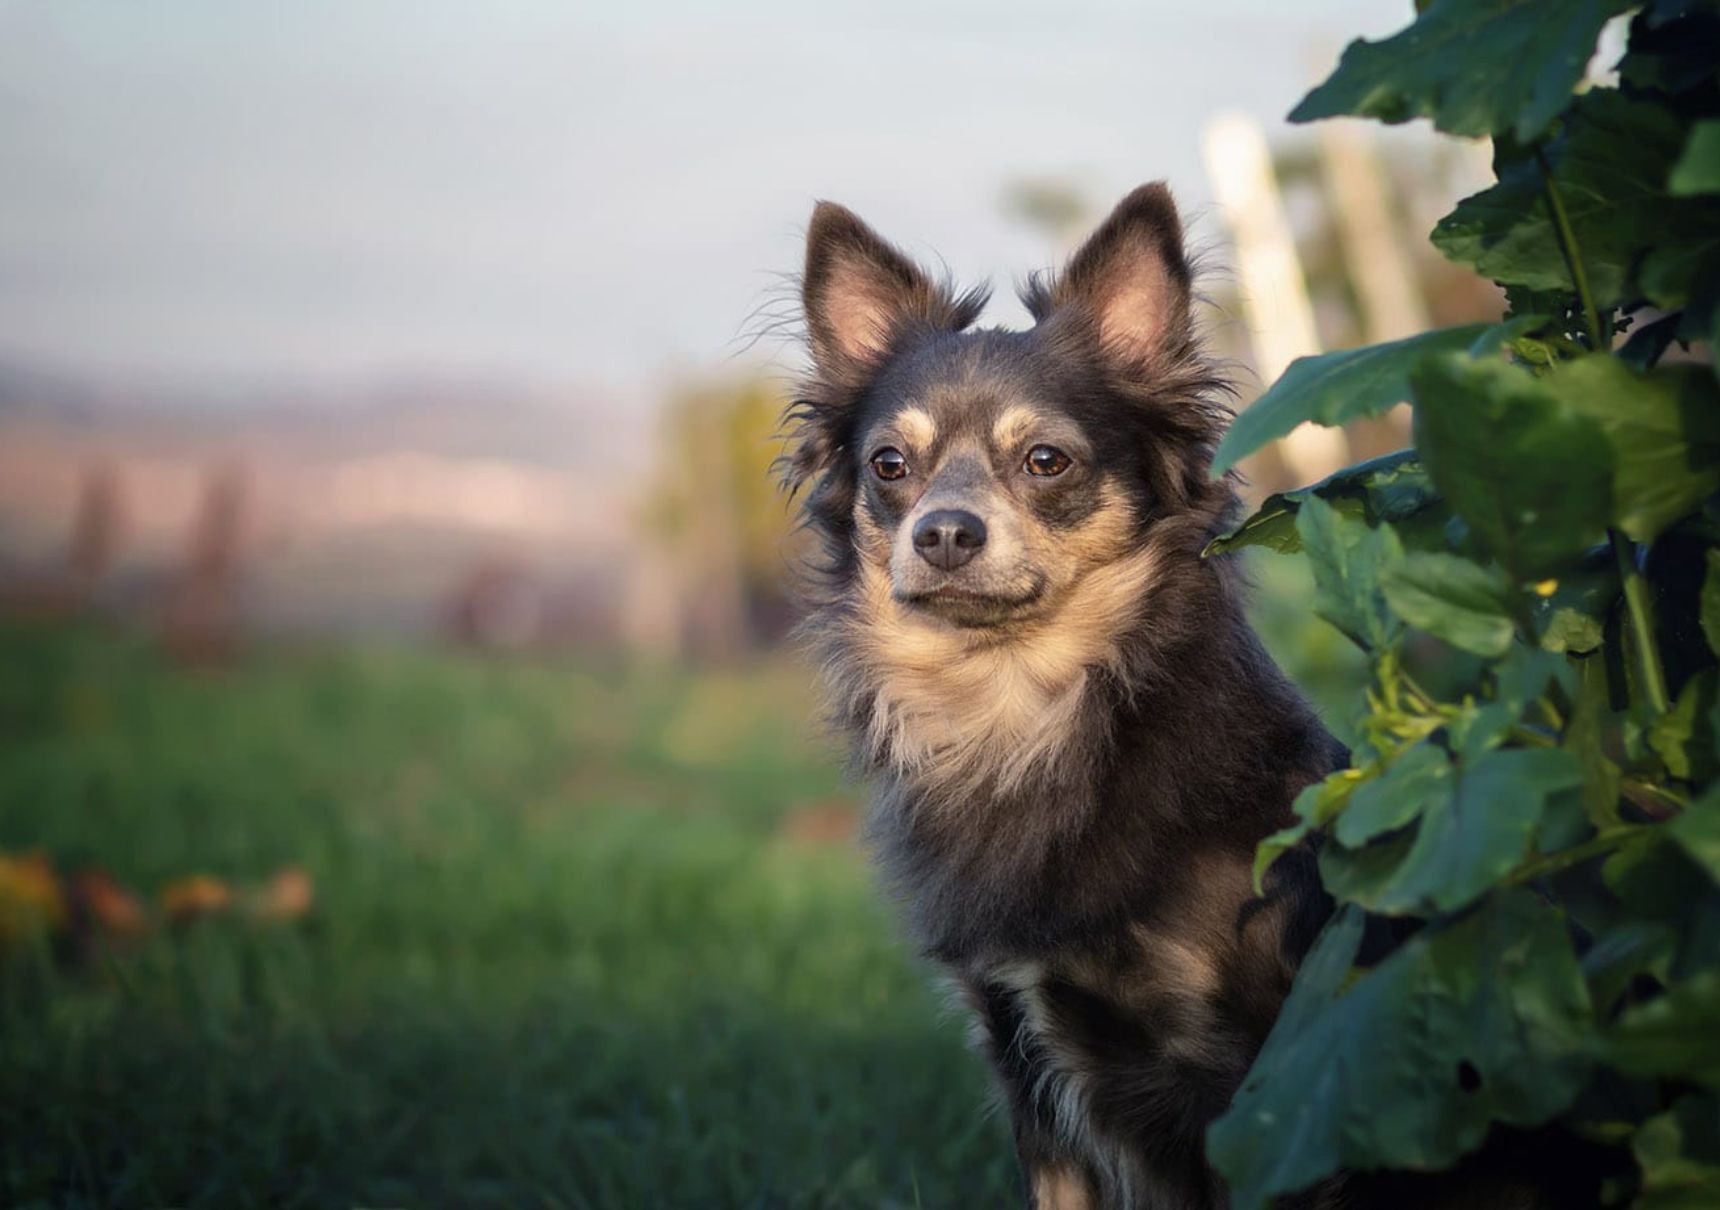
(1129, 282)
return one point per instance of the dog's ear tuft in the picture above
(1131, 279)
(859, 293)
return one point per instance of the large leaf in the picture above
(1348, 556)
(1609, 165)
(1469, 836)
(1539, 465)
(1484, 1019)
(1679, 1155)
(1451, 599)
(1674, 1035)
(1476, 67)
(1531, 477)
(1698, 167)
(1687, 737)
(1711, 599)
(1697, 831)
(1414, 782)
(1664, 428)
(1314, 807)
(1393, 487)
(1335, 388)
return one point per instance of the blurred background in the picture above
(407, 795)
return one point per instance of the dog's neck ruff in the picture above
(956, 713)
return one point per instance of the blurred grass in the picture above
(562, 954)
(569, 947)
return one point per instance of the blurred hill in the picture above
(363, 507)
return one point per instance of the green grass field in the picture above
(567, 948)
(582, 936)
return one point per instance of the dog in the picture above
(1077, 741)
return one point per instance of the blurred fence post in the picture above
(202, 613)
(1269, 273)
(96, 531)
(1376, 258)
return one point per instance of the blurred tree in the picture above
(1055, 207)
(714, 515)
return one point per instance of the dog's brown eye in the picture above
(888, 463)
(1047, 460)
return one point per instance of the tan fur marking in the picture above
(956, 705)
(1060, 1188)
(1013, 427)
(917, 427)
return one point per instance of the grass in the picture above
(566, 949)
(573, 944)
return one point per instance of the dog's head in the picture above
(979, 477)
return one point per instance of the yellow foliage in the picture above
(31, 899)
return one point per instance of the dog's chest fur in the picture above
(1099, 917)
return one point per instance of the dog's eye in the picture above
(1046, 460)
(888, 463)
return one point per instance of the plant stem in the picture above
(1657, 802)
(1594, 846)
(1573, 257)
(1635, 587)
(1641, 622)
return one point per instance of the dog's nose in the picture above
(948, 537)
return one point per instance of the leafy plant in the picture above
(1541, 829)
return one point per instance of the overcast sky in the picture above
(352, 189)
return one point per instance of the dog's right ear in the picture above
(860, 295)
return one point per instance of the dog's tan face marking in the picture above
(917, 427)
(954, 705)
(1013, 426)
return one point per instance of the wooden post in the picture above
(202, 615)
(1377, 261)
(95, 535)
(1269, 272)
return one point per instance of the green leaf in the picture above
(1684, 737)
(1470, 839)
(1484, 1019)
(1711, 600)
(1571, 630)
(1347, 557)
(1620, 954)
(1539, 465)
(1664, 429)
(1673, 1035)
(1335, 388)
(1530, 476)
(1698, 168)
(1523, 675)
(1476, 67)
(1303, 1131)
(1452, 599)
(1679, 1154)
(1697, 831)
(1410, 786)
(1571, 618)
(1314, 807)
(1609, 164)
(1393, 487)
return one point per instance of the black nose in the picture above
(948, 537)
